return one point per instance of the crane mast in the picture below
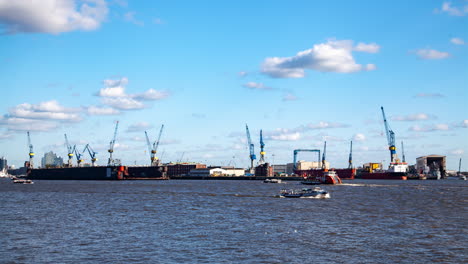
(251, 148)
(403, 153)
(153, 149)
(390, 139)
(79, 156)
(262, 146)
(350, 161)
(31, 152)
(70, 151)
(323, 157)
(111, 146)
(92, 154)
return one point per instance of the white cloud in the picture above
(428, 95)
(130, 17)
(243, 74)
(152, 94)
(413, 117)
(359, 137)
(324, 125)
(51, 16)
(454, 11)
(431, 54)
(457, 41)
(95, 110)
(432, 128)
(282, 134)
(289, 97)
(256, 86)
(25, 124)
(369, 48)
(123, 103)
(45, 110)
(138, 127)
(457, 151)
(333, 56)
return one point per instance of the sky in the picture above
(303, 72)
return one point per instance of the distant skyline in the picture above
(302, 71)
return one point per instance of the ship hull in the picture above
(147, 173)
(384, 176)
(78, 173)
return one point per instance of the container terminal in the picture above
(426, 167)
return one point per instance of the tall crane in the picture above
(111, 146)
(92, 154)
(79, 156)
(323, 156)
(262, 146)
(403, 153)
(390, 139)
(154, 148)
(70, 150)
(350, 161)
(31, 152)
(251, 147)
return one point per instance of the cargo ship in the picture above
(108, 173)
(319, 176)
(396, 171)
(146, 173)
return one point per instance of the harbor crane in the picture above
(92, 154)
(31, 152)
(262, 152)
(251, 148)
(403, 159)
(390, 139)
(304, 150)
(70, 150)
(154, 148)
(79, 156)
(350, 161)
(111, 146)
(324, 167)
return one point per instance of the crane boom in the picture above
(92, 154)
(262, 146)
(323, 155)
(79, 156)
(70, 151)
(390, 138)
(304, 150)
(111, 146)
(251, 148)
(154, 148)
(350, 161)
(31, 152)
(403, 153)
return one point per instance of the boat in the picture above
(317, 193)
(321, 177)
(78, 173)
(396, 171)
(23, 181)
(273, 181)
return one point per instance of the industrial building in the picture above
(182, 169)
(433, 166)
(306, 165)
(3, 163)
(51, 159)
(216, 172)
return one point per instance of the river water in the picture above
(185, 221)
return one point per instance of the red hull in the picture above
(344, 174)
(383, 176)
(318, 176)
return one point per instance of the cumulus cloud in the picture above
(463, 123)
(282, 134)
(452, 10)
(51, 16)
(432, 128)
(429, 95)
(113, 94)
(359, 137)
(431, 54)
(457, 151)
(324, 125)
(96, 110)
(333, 56)
(138, 127)
(242, 73)
(25, 124)
(256, 86)
(45, 110)
(457, 41)
(413, 117)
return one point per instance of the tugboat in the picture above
(317, 193)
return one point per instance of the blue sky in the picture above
(303, 71)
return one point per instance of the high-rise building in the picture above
(51, 159)
(3, 163)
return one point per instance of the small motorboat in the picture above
(23, 181)
(317, 193)
(272, 181)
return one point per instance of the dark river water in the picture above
(185, 221)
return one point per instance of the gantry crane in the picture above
(350, 160)
(111, 146)
(390, 139)
(304, 150)
(154, 148)
(92, 154)
(31, 152)
(79, 156)
(262, 152)
(251, 148)
(324, 167)
(70, 151)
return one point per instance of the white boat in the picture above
(23, 181)
(316, 193)
(4, 174)
(272, 181)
